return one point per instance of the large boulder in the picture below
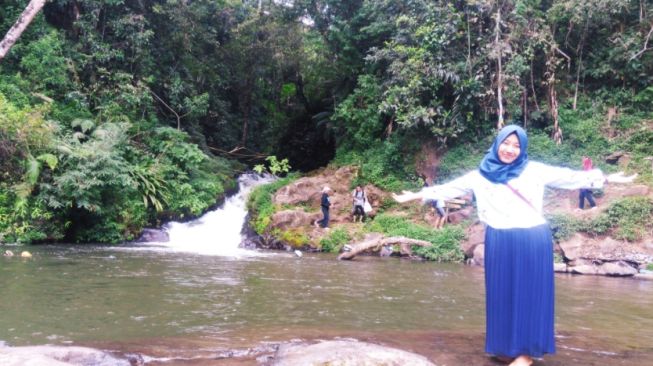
(456, 217)
(475, 236)
(287, 219)
(57, 356)
(308, 190)
(345, 353)
(560, 267)
(604, 256)
(154, 235)
(300, 191)
(479, 255)
(573, 247)
(605, 249)
(586, 269)
(617, 268)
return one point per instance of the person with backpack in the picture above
(359, 199)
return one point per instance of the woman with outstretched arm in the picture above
(509, 190)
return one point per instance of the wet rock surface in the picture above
(604, 256)
(306, 192)
(346, 353)
(582, 254)
(57, 356)
(154, 235)
(405, 348)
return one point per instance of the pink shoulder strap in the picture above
(521, 196)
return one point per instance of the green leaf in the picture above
(49, 159)
(84, 124)
(32, 171)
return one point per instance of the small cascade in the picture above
(218, 232)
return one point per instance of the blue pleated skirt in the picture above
(519, 291)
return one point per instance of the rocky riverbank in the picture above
(298, 207)
(379, 348)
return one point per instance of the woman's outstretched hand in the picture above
(620, 178)
(406, 196)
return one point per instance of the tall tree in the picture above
(32, 9)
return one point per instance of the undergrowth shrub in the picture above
(628, 219)
(333, 242)
(384, 164)
(563, 226)
(294, 237)
(633, 216)
(259, 202)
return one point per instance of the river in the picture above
(201, 307)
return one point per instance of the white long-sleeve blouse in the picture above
(501, 208)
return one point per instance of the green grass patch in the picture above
(627, 219)
(633, 216)
(564, 226)
(446, 241)
(259, 202)
(294, 237)
(558, 258)
(333, 242)
(385, 164)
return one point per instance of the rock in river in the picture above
(57, 356)
(346, 353)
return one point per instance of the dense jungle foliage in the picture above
(117, 114)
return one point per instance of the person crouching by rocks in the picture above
(325, 204)
(359, 199)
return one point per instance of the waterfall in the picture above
(218, 232)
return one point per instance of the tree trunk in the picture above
(246, 108)
(388, 127)
(376, 241)
(469, 47)
(300, 92)
(556, 134)
(497, 31)
(553, 102)
(580, 63)
(243, 141)
(33, 8)
(525, 103)
(537, 105)
(579, 51)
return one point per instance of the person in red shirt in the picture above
(586, 193)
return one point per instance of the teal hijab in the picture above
(491, 166)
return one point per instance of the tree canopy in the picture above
(117, 114)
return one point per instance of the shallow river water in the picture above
(199, 299)
(183, 308)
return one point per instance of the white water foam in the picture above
(218, 232)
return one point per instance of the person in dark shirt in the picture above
(325, 203)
